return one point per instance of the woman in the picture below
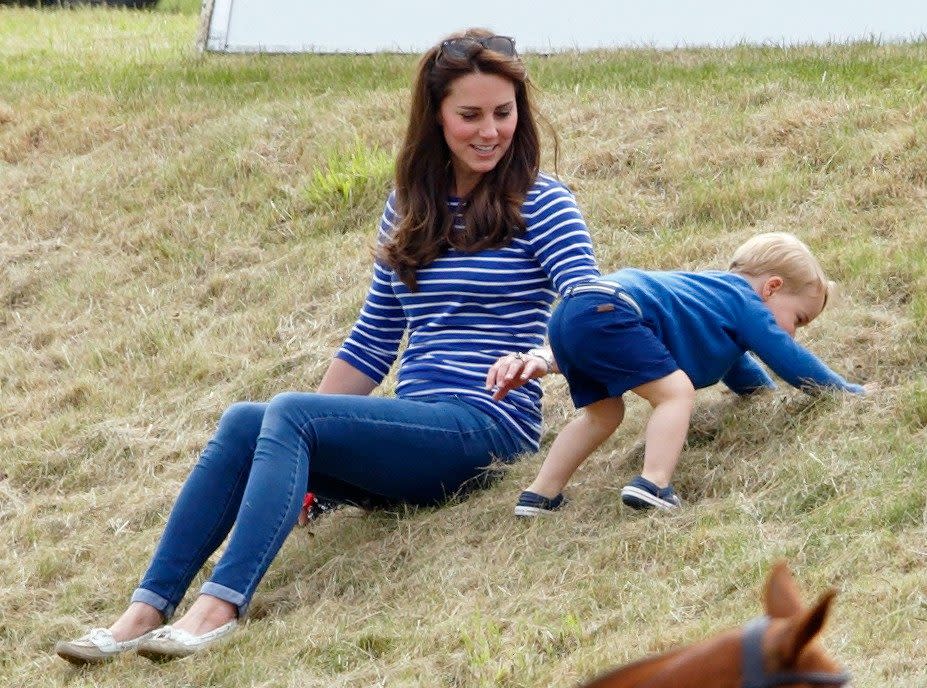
(474, 245)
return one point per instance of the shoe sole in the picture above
(77, 657)
(532, 511)
(161, 656)
(637, 498)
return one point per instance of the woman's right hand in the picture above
(512, 371)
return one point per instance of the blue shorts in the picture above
(602, 345)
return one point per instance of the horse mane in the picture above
(636, 672)
(668, 670)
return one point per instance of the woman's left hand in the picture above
(512, 371)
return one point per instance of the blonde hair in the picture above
(785, 255)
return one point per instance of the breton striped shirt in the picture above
(472, 308)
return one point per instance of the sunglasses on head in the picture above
(465, 46)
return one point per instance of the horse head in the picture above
(778, 650)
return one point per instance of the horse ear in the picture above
(802, 629)
(781, 597)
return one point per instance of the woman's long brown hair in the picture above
(424, 176)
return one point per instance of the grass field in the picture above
(178, 232)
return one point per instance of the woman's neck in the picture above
(464, 183)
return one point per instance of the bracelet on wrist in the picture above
(545, 356)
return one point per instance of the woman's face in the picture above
(478, 117)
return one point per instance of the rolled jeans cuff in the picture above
(154, 600)
(228, 595)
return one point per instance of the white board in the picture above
(369, 26)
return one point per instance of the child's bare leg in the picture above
(575, 443)
(672, 398)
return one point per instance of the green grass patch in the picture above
(356, 177)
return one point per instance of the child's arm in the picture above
(789, 359)
(747, 376)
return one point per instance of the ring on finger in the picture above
(519, 356)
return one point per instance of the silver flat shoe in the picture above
(169, 643)
(96, 646)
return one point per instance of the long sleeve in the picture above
(560, 239)
(373, 343)
(788, 359)
(747, 376)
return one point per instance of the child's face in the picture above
(791, 310)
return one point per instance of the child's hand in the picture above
(870, 388)
(512, 371)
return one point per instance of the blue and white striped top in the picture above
(472, 308)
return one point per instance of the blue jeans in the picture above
(255, 470)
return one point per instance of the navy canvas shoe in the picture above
(640, 493)
(531, 504)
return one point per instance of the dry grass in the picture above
(182, 232)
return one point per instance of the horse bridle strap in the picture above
(754, 671)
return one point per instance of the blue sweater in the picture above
(472, 308)
(710, 320)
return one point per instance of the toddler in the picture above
(662, 335)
